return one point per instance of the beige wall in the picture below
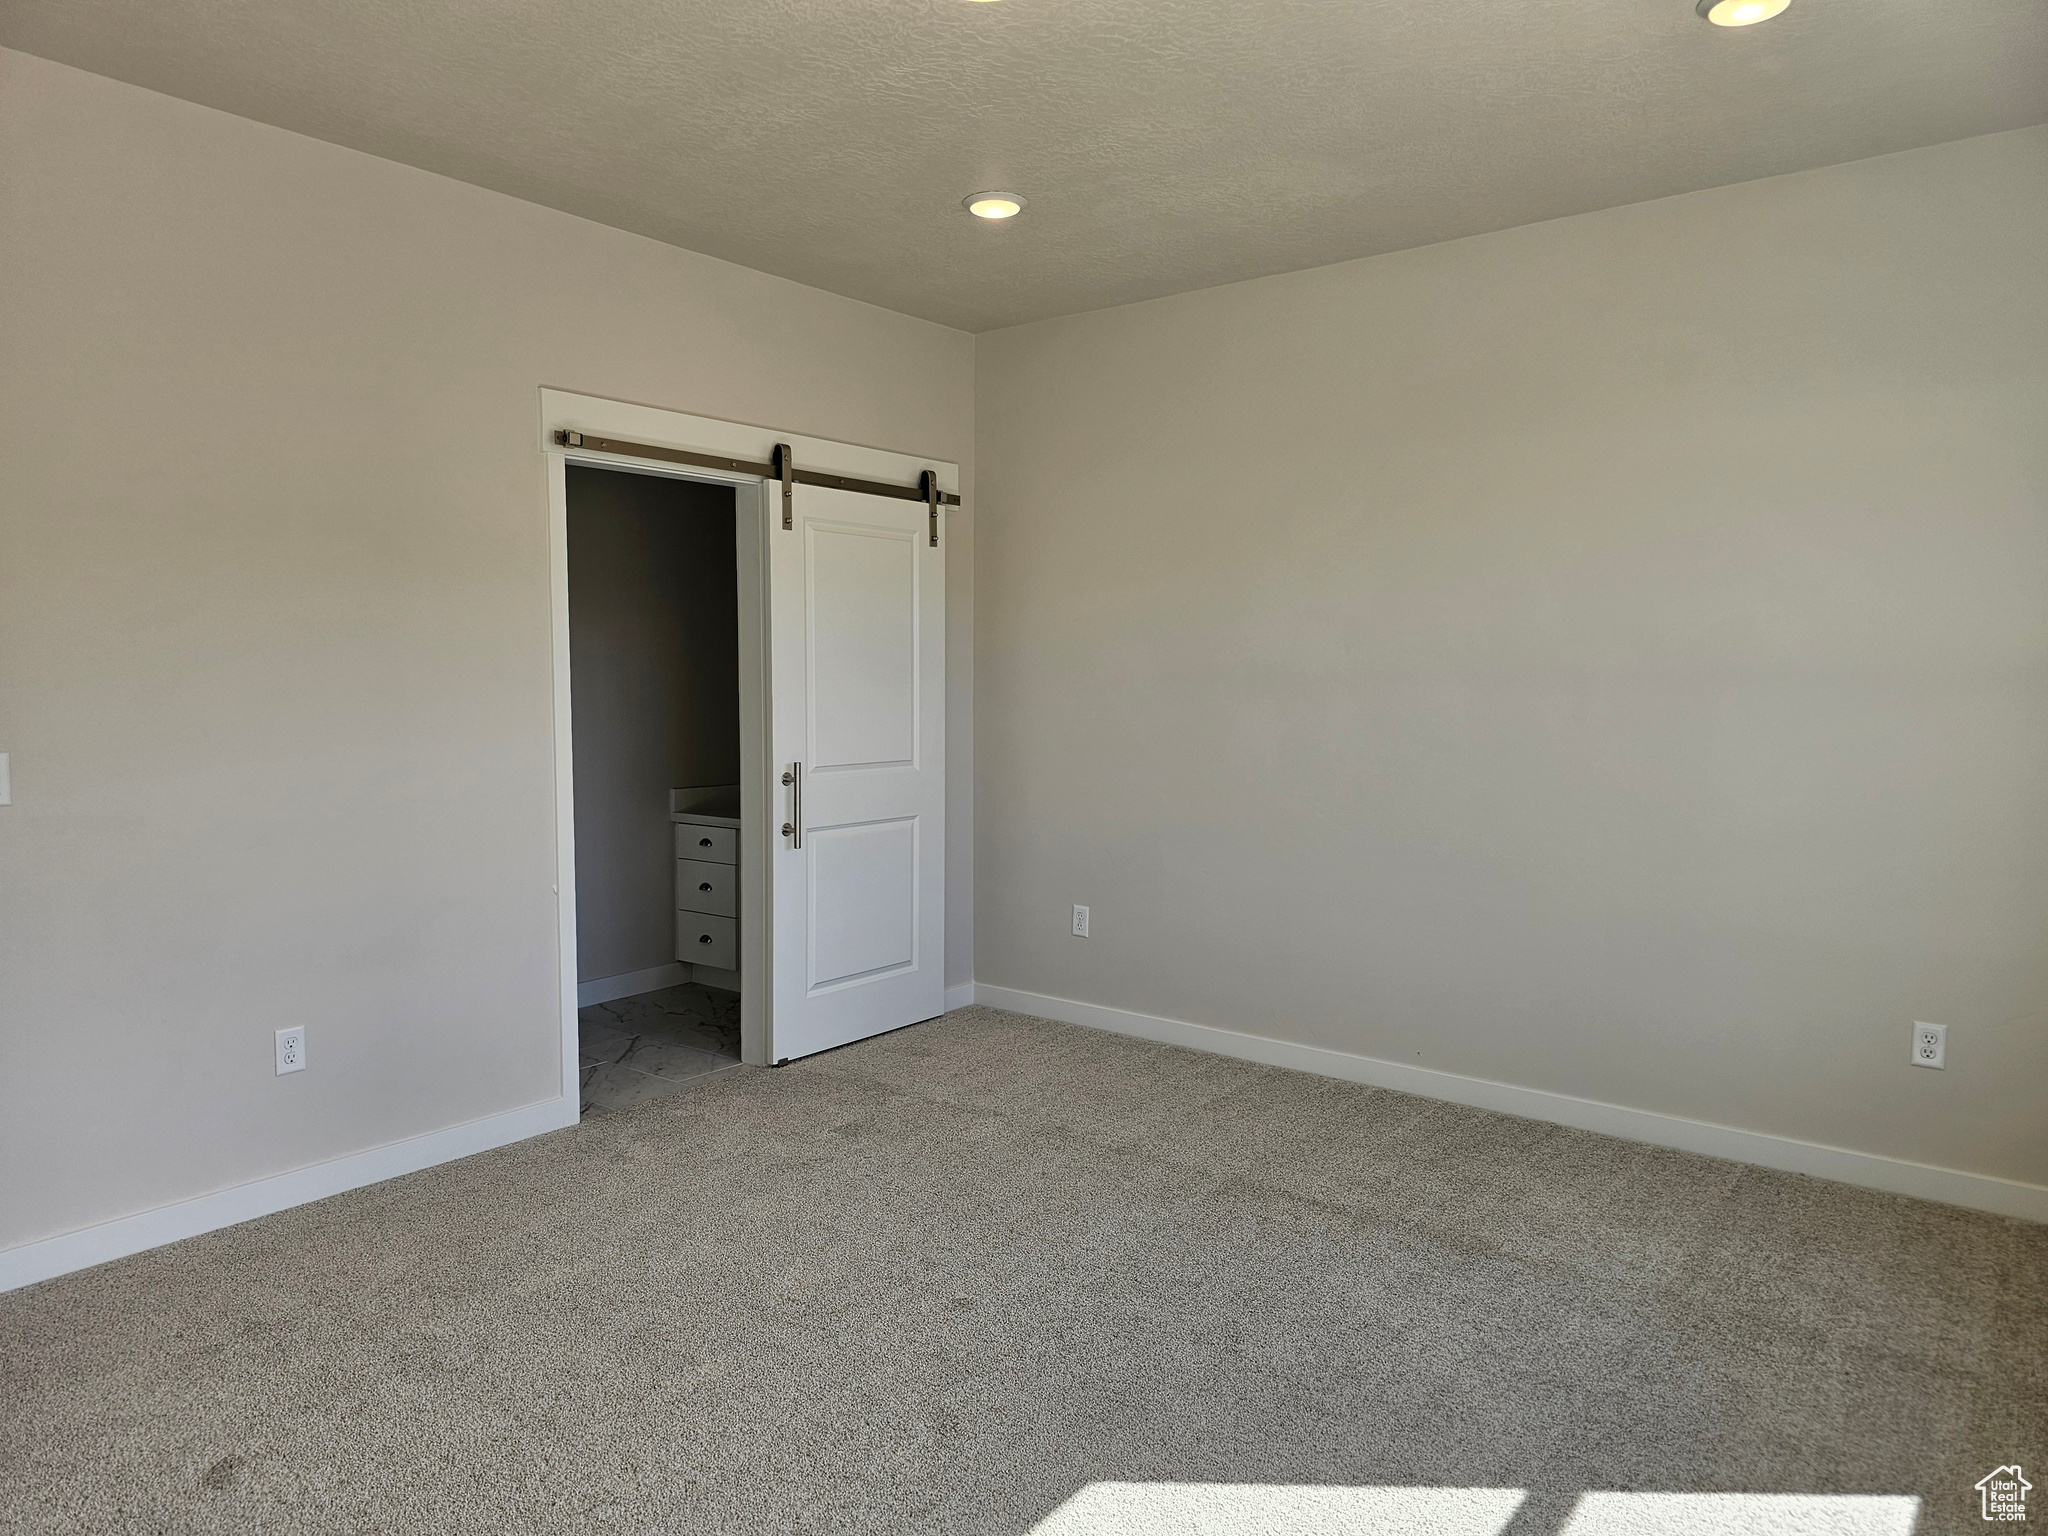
(274, 622)
(1609, 657)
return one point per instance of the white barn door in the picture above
(857, 698)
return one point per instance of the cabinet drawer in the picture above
(706, 940)
(702, 887)
(716, 845)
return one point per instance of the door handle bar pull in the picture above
(793, 829)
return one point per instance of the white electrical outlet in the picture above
(291, 1050)
(1080, 922)
(1930, 1045)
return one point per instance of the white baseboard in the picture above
(117, 1239)
(1982, 1192)
(631, 983)
(52, 1256)
(712, 976)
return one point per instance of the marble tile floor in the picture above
(646, 1047)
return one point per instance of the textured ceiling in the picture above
(1162, 144)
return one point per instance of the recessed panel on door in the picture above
(863, 901)
(863, 646)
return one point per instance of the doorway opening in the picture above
(837, 851)
(654, 661)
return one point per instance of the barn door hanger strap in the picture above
(781, 468)
(785, 471)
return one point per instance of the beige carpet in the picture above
(953, 1279)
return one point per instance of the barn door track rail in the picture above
(781, 469)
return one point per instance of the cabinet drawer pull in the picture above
(705, 886)
(703, 938)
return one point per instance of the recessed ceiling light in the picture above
(1002, 205)
(1741, 13)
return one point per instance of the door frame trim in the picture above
(564, 411)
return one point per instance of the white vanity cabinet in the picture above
(708, 879)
